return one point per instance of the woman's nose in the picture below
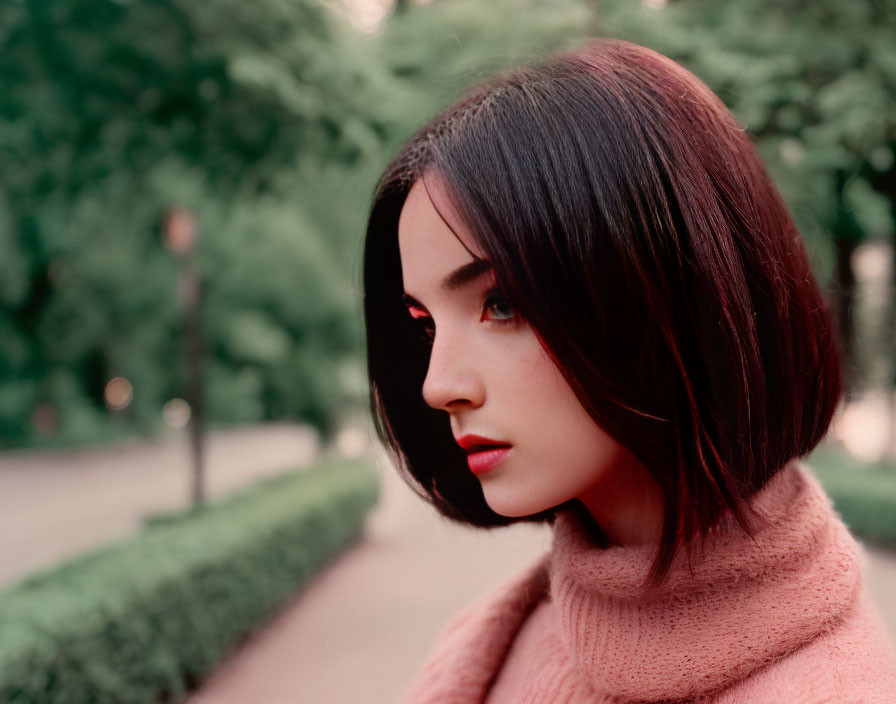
(453, 379)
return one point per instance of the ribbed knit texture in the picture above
(784, 620)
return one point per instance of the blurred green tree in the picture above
(114, 111)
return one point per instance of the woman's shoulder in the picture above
(515, 596)
(471, 647)
(500, 611)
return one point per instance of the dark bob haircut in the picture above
(632, 224)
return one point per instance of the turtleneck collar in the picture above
(742, 606)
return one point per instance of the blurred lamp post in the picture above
(180, 234)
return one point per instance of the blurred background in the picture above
(184, 439)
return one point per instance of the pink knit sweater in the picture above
(783, 621)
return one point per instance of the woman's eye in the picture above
(497, 305)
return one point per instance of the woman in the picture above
(587, 304)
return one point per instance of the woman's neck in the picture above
(627, 505)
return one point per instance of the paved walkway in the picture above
(57, 504)
(363, 627)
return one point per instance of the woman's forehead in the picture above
(430, 249)
(429, 200)
(427, 243)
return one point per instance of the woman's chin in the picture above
(515, 506)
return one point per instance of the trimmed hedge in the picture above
(864, 495)
(147, 619)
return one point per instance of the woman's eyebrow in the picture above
(465, 274)
(456, 279)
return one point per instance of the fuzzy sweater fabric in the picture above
(784, 620)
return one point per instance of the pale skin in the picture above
(489, 372)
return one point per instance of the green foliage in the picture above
(147, 619)
(439, 50)
(864, 496)
(112, 112)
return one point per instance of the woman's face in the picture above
(489, 372)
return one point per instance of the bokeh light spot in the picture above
(176, 413)
(118, 393)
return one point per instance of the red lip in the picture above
(476, 443)
(483, 453)
(483, 461)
